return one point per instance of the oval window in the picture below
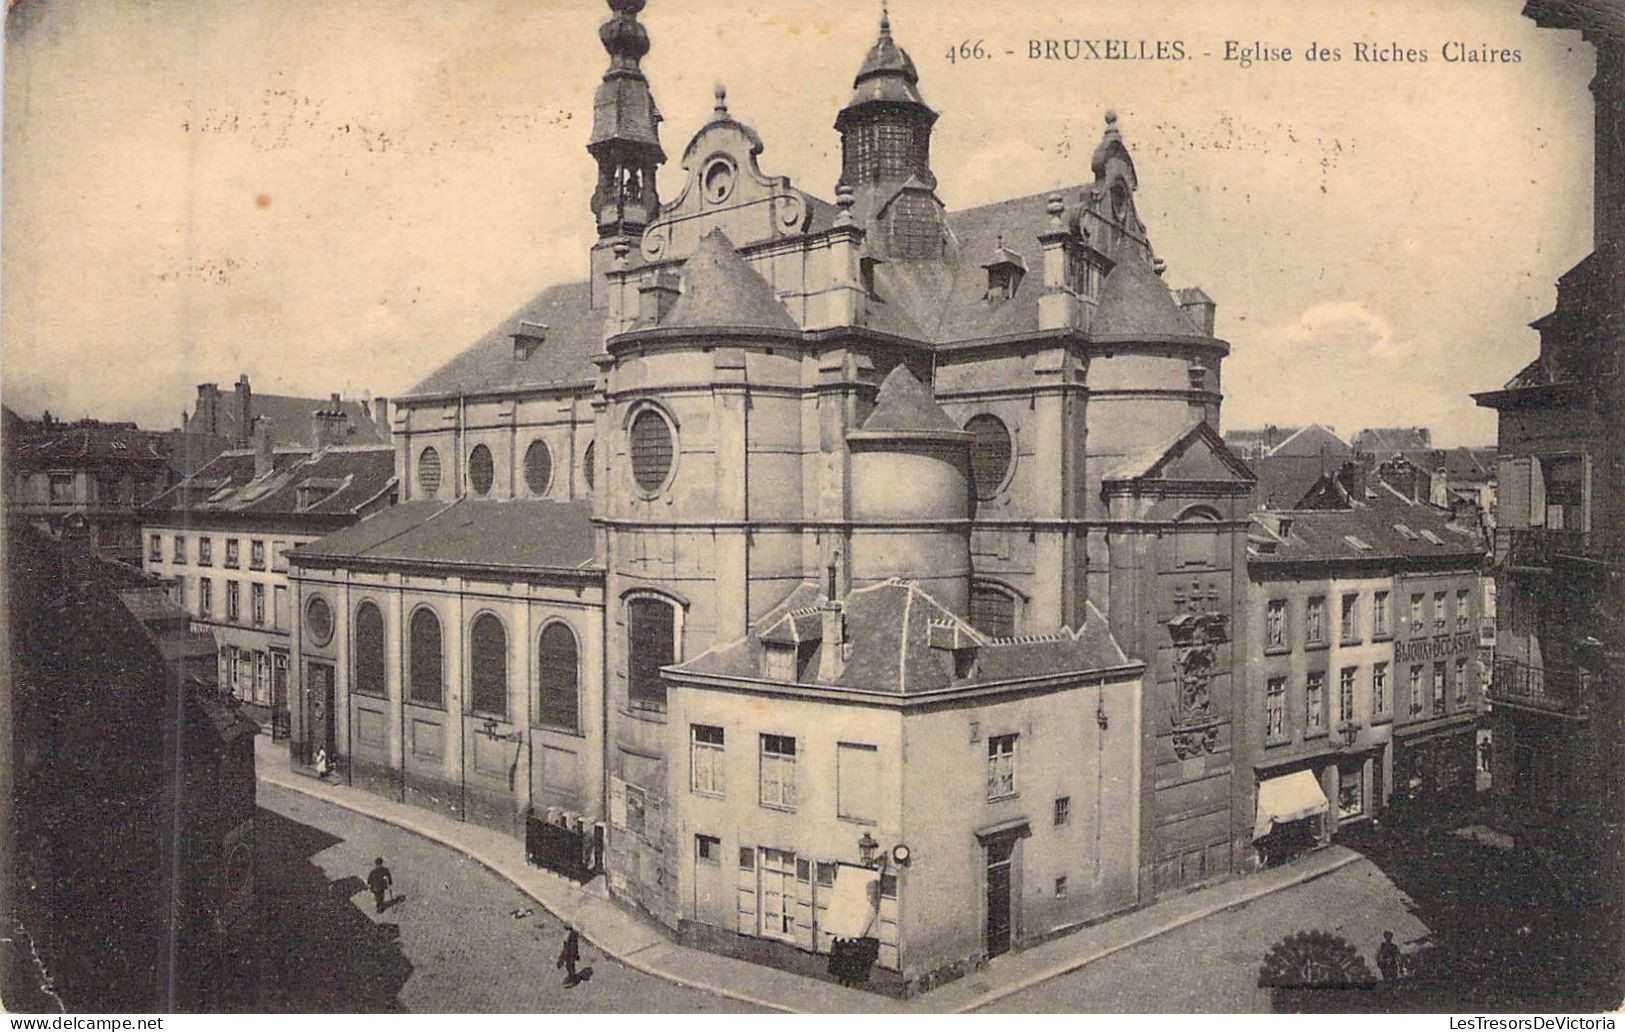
(990, 454)
(538, 467)
(651, 447)
(319, 620)
(588, 459)
(481, 471)
(429, 471)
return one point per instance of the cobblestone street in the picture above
(451, 944)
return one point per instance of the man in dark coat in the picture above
(570, 955)
(379, 881)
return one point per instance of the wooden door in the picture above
(778, 894)
(279, 680)
(319, 700)
(998, 896)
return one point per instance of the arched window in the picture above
(1196, 542)
(425, 666)
(538, 467)
(488, 666)
(651, 644)
(370, 676)
(481, 471)
(558, 678)
(429, 472)
(992, 611)
(651, 448)
(588, 458)
(990, 455)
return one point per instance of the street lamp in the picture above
(866, 849)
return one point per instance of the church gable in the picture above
(1198, 454)
(727, 190)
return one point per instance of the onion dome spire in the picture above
(625, 128)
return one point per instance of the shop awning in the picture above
(1290, 797)
(855, 902)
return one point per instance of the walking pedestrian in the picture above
(379, 881)
(1388, 957)
(569, 955)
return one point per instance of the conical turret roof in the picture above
(904, 405)
(720, 289)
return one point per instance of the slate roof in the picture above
(934, 301)
(1135, 302)
(1457, 463)
(92, 445)
(905, 405)
(719, 288)
(890, 629)
(1385, 441)
(525, 534)
(1284, 480)
(288, 419)
(354, 478)
(1323, 534)
(575, 333)
(1314, 440)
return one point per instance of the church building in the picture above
(825, 548)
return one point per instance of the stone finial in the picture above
(844, 199)
(1159, 266)
(621, 248)
(721, 93)
(885, 20)
(1055, 207)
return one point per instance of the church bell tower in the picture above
(625, 136)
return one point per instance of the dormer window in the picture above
(527, 339)
(1004, 273)
(1083, 275)
(1284, 527)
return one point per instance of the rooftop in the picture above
(1385, 522)
(523, 534)
(336, 481)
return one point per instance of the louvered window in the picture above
(588, 469)
(556, 675)
(538, 467)
(993, 612)
(481, 472)
(428, 685)
(429, 472)
(651, 634)
(990, 454)
(488, 665)
(651, 450)
(370, 678)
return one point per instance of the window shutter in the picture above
(1513, 507)
(1537, 494)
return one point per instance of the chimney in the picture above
(1198, 308)
(207, 415)
(245, 411)
(328, 425)
(380, 413)
(832, 651)
(1352, 475)
(264, 454)
(656, 295)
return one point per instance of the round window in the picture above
(538, 467)
(481, 472)
(319, 620)
(651, 446)
(718, 180)
(589, 458)
(429, 471)
(990, 454)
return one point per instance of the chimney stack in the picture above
(328, 424)
(656, 295)
(245, 411)
(207, 416)
(264, 449)
(380, 413)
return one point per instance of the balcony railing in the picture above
(1559, 689)
(1536, 547)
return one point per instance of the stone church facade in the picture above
(812, 537)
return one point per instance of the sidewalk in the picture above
(639, 943)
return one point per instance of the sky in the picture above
(339, 196)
